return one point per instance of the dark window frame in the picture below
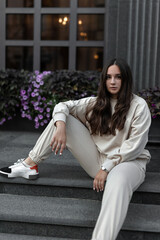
(37, 43)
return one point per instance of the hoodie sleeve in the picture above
(134, 145)
(76, 108)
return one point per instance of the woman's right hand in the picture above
(59, 138)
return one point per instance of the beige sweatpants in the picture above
(122, 180)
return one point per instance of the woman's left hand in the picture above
(99, 180)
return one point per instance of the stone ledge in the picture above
(6, 236)
(75, 177)
(73, 212)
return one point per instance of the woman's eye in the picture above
(108, 76)
(119, 77)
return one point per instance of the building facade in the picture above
(81, 35)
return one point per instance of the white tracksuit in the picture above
(123, 155)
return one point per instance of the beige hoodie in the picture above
(128, 144)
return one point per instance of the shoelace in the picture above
(19, 161)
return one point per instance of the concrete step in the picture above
(154, 138)
(154, 164)
(68, 217)
(6, 236)
(72, 181)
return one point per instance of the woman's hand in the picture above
(59, 138)
(99, 180)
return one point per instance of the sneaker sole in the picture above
(30, 177)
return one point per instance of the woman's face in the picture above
(113, 80)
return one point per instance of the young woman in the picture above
(107, 134)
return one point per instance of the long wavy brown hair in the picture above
(100, 115)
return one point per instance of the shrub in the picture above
(36, 101)
(10, 83)
(35, 94)
(74, 84)
(152, 97)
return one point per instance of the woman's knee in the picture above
(118, 181)
(125, 176)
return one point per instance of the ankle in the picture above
(30, 162)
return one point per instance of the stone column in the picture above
(133, 33)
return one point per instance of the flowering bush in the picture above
(37, 102)
(10, 83)
(70, 84)
(152, 97)
(35, 94)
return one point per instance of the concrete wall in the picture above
(133, 33)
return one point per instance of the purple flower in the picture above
(46, 73)
(43, 98)
(37, 125)
(25, 107)
(154, 116)
(48, 115)
(23, 115)
(36, 72)
(41, 83)
(33, 94)
(2, 121)
(38, 79)
(35, 104)
(45, 121)
(48, 109)
(29, 89)
(36, 119)
(40, 116)
(23, 92)
(41, 110)
(29, 117)
(25, 97)
(36, 108)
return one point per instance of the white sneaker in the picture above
(20, 169)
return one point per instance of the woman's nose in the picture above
(112, 80)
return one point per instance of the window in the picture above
(19, 58)
(55, 3)
(53, 58)
(55, 27)
(19, 26)
(91, 3)
(19, 3)
(89, 58)
(90, 27)
(48, 35)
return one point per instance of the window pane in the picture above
(56, 3)
(54, 58)
(55, 27)
(19, 27)
(19, 3)
(90, 27)
(89, 58)
(19, 58)
(91, 3)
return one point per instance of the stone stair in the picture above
(61, 205)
